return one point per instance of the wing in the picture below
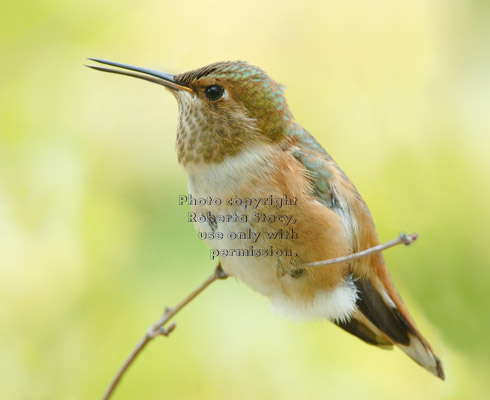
(381, 317)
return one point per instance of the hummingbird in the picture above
(237, 139)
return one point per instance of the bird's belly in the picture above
(271, 267)
(246, 252)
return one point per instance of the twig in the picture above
(159, 329)
(403, 238)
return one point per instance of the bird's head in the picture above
(223, 108)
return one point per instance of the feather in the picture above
(381, 317)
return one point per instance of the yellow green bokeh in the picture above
(93, 243)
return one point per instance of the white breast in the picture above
(227, 177)
(224, 180)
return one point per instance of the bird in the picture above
(269, 200)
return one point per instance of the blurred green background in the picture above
(93, 243)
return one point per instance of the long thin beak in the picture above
(150, 75)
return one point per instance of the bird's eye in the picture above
(214, 92)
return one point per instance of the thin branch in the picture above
(403, 238)
(159, 329)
